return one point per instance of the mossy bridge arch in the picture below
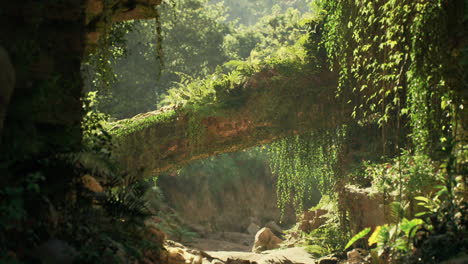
(271, 104)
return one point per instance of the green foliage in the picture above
(394, 240)
(13, 200)
(95, 136)
(278, 30)
(223, 91)
(239, 43)
(440, 233)
(127, 126)
(49, 199)
(248, 13)
(52, 201)
(127, 203)
(396, 65)
(202, 92)
(358, 236)
(446, 227)
(411, 174)
(394, 56)
(304, 161)
(138, 78)
(325, 240)
(330, 237)
(128, 63)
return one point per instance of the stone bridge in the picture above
(273, 104)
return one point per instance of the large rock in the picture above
(175, 256)
(365, 207)
(265, 240)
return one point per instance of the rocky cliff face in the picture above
(231, 204)
(45, 42)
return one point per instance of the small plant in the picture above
(414, 172)
(330, 237)
(327, 239)
(446, 223)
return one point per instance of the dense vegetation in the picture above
(131, 63)
(400, 66)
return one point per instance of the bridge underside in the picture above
(271, 104)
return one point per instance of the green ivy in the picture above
(304, 161)
(396, 58)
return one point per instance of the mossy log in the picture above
(269, 105)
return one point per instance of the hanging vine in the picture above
(304, 161)
(396, 57)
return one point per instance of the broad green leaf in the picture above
(408, 226)
(358, 236)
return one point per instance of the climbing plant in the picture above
(304, 161)
(397, 58)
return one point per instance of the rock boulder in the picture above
(265, 240)
(365, 207)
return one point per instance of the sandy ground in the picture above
(226, 241)
(238, 246)
(296, 255)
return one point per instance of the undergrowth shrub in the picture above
(437, 228)
(327, 239)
